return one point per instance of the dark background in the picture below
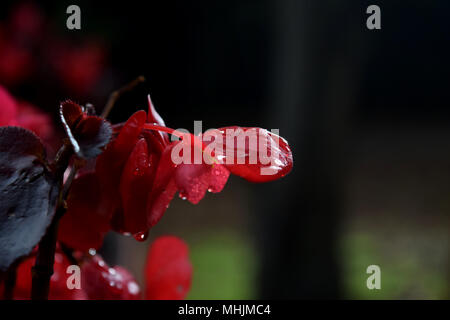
(366, 113)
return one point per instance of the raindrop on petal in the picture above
(141, 236)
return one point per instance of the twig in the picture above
(62, 160)
(45, 258)
(70, 178)
(43, 268)
(69, 253)
(116, 95)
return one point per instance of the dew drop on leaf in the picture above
(141, 236)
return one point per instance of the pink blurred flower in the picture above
(80, 67)
(25, 115)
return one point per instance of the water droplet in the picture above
(115, 286)
(182, 195)
(141, 236)
(92, 252)
(133, 287)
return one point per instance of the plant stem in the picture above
(70, 178)
(69, 253)
(43, 268)
(62, 160)
(116, 95)
(45, 258)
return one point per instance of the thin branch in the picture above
(45, 258)
(69, 253)
(62, 160)
(43, 268)
(118, 93)
(68, 184)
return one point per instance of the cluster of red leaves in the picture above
(131, 184)
(26, 37)
(167, 274)
(168, 271)
(135, 179)
(28, 42)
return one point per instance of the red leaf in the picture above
(168, 270)
(111, 162)
(71, 112)
(88, 134)
(121, 147)
(260, 157)
(163, 189)
(193, 180)
(84, 224)
(154, 117)
(101, 282)
(135, 185)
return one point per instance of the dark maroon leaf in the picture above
(71, 113)
(28, 194)
(88, 134)
(93, 134)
